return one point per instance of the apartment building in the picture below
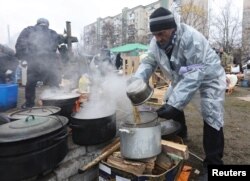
(246, 29)
(132, 25)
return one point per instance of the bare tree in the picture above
(108, 32)
(142, 39)
(194, 14)
(89, 40)
(225, 30)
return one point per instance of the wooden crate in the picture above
(158, 96)
(130, 64)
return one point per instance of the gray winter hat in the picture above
(43, 22)
(161, 19)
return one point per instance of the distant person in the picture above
(38, 46)
(118, 61)
(8, 65)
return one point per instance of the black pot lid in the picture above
(36, 111)
(30, 127)
(169, 127)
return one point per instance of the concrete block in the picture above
(71, 167)
(75, 153)
(86, 159)
(67, 169)
(71, 144)
(89, 175)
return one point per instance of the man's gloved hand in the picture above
(167, 112)
(24, 63)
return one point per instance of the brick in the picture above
(67, 169)
(75, 153)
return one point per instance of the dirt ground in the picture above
(236, 129)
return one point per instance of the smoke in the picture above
(107, 92)
(55, 93)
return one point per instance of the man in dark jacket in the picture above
(38, 45)
(8, 65)
(118, 61)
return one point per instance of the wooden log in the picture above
(175, 148)
(104, 155)
(136, 168)
(150, 165)
(164, 161)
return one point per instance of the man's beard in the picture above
(168, 44)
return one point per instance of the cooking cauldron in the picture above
(32, 146)
(4, 119)
(92, 131)
(65, 101)
(141, 141)
(35, 111)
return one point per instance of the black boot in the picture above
(213, 143)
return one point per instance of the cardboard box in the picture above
(108, 172)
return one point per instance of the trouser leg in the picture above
(51, 76)
(30, 89)
(213, 143)
(181, 119)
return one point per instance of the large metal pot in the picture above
(32, 146)
(65, 101)
(35, 111)
(4, 119)
(138, 91)
(93, 130)
(140, 141)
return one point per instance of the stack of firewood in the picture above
(155, 165)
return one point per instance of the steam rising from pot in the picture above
(108, 89)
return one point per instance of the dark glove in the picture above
(168, 112)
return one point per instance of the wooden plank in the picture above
(175, 148)
(104, 155)
(164, 161)
(125, 165)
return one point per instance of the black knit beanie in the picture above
(161, 19)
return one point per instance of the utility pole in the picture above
(8, 30)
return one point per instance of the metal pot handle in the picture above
(28, 117)
(123, 130)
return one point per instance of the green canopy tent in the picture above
(131, 48)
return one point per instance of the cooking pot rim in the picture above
(55, 99)
(27, 112)
(148, 123)
(73, 115)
